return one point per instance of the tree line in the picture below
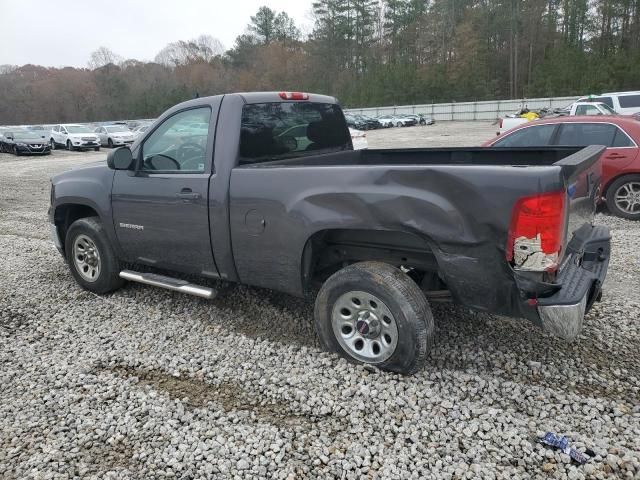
(365, 52)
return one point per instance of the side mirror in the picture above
(120, 159)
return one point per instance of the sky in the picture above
(57, 33)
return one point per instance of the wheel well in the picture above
(327, 251)
(605, 191)
(65, 215)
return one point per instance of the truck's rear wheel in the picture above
(91, 259)
(623, 197)
(373, 313)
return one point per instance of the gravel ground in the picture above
(146, 383)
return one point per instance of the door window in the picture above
(538, 136)
(582, 134)
(621, 139)
(179, 144)
(629, 101)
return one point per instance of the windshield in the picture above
(606, 108)
(77, 129)
(116, 128)
(26, 135)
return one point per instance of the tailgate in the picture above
(544, 223)
(582, 173)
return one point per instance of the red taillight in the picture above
(538, 216)
(294, 96)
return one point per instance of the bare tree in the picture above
(198, 50)
(103, 56)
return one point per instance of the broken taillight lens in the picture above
(537, 227)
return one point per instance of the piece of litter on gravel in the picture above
(562, 443)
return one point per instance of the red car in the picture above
(621, 161)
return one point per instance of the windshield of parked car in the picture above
(116, 129)
(607, 109)
(77, 129)
(26, 135)
(267, 134)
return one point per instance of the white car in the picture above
(114, 135)
(387, 121)
(577, 108)
(359, 139)
(74, 137)
(624, 103)
(139, 131)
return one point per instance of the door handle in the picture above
(188, 194)
(616, 155)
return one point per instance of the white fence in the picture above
(468, 110)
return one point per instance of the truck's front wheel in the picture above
(91, 259)
(373, 313)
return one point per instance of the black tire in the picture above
(70, 146)
(107, 280)
(611, 197)
(403, 298)
(52, 142)
(110, 143)
(15, 151)
(96, 149)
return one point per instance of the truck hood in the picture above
(95, 169)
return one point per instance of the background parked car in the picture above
(422, 119)
(114, 135)
(620, 186)
(74, 137)
(355, 122)
(386, 121)
(624, 103)
(21, 141)
(370, 123)
(404, 120)
(139, 131)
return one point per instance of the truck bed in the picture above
(529, 156)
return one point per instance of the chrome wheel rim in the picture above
(627, 197)
(87, 258)
(364, 327)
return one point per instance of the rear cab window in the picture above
(279, 130)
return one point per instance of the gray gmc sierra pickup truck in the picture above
(266, 189)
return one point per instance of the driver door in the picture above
(160, 210)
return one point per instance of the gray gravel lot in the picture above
(146, 383)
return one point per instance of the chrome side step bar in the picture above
(169, 283)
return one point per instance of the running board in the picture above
(169, 283)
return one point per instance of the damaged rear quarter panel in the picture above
(461, 212)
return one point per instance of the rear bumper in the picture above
(580, 279)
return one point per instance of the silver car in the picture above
(114, 135)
